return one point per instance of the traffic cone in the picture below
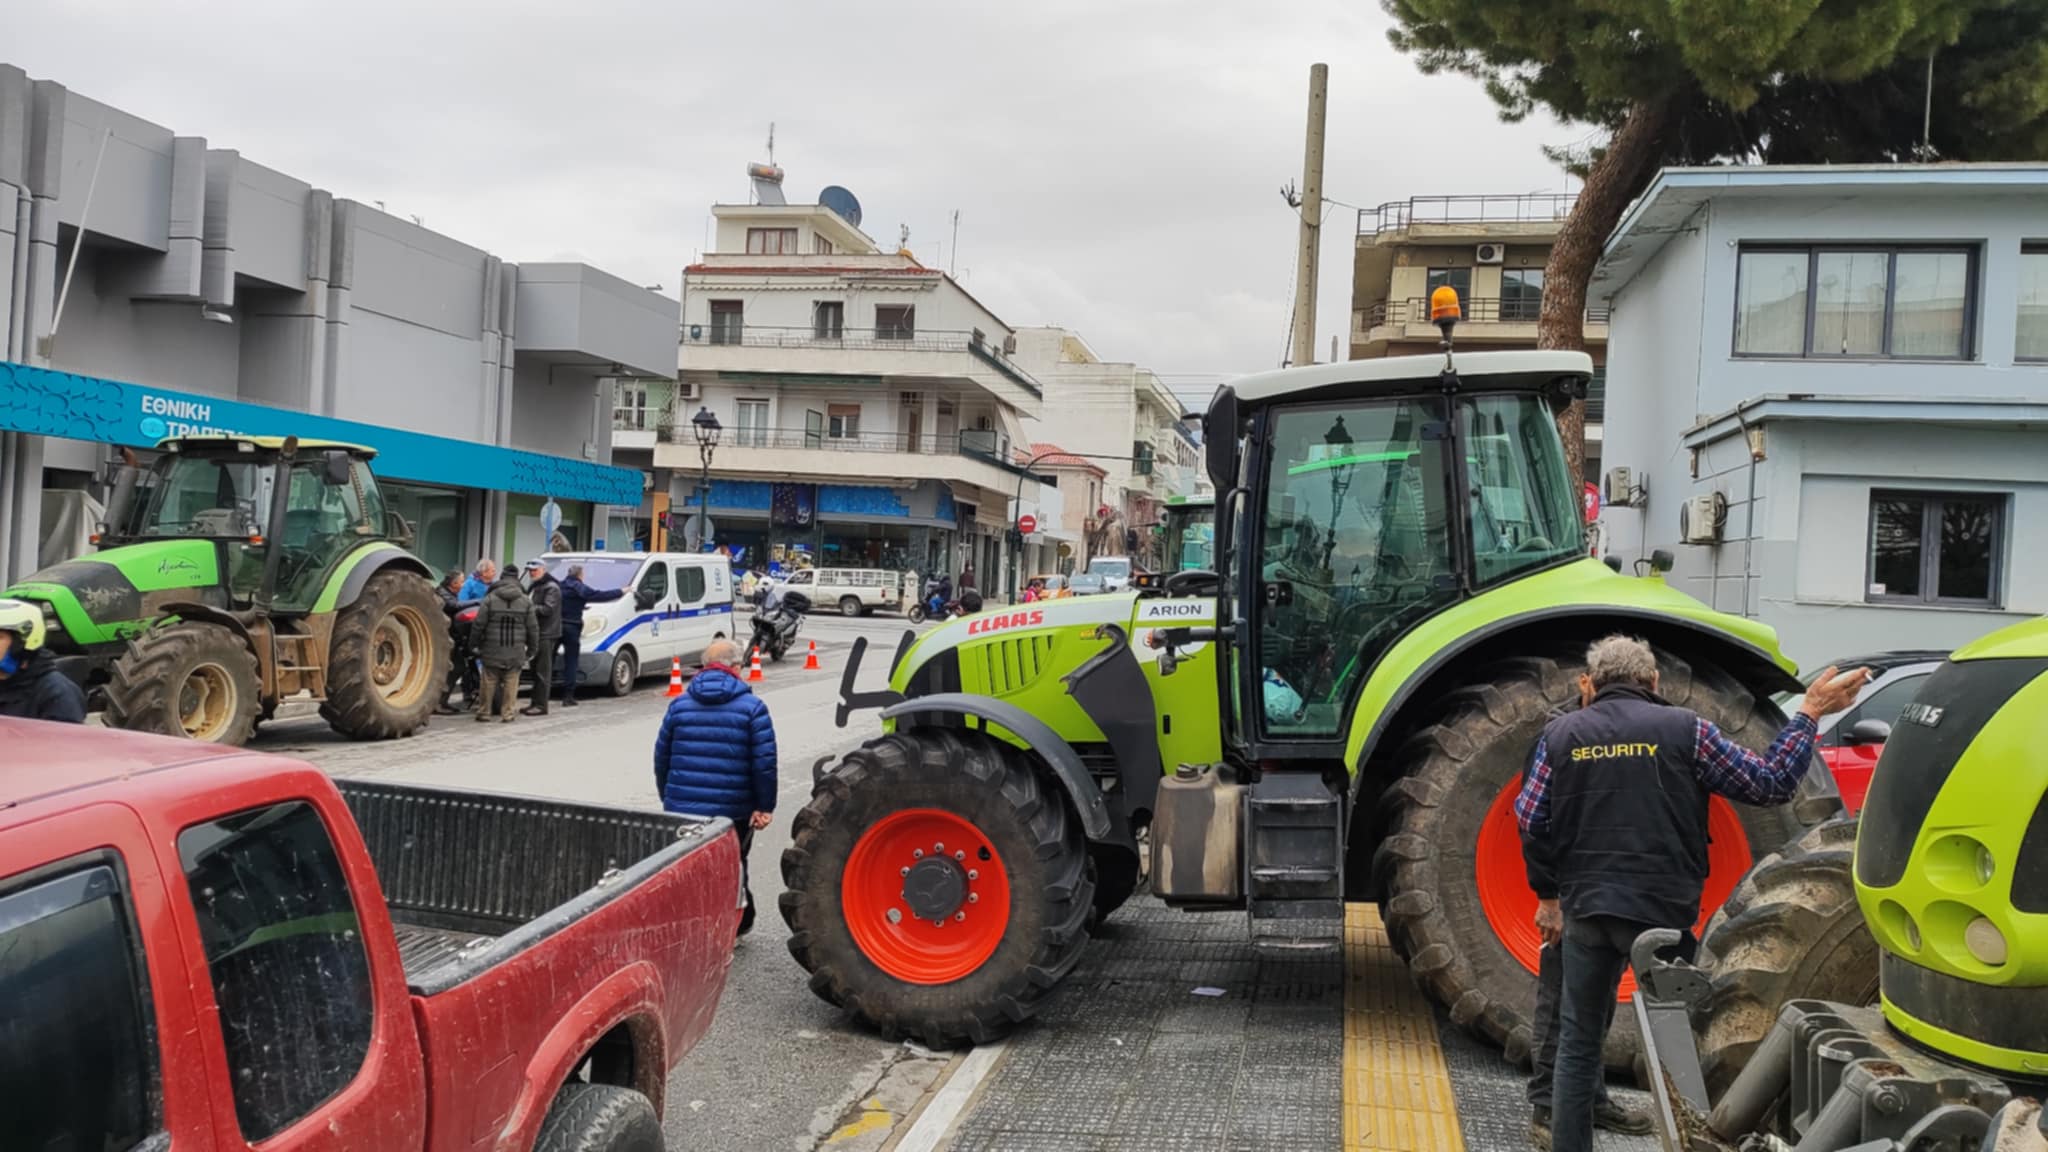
(675, 676)
(754, 673)
(811, 659)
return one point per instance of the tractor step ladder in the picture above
(298, 652)
(1294, 848)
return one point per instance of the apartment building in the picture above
(1831, 386)
(1122, 418)
(1492, 249)
(870, 405)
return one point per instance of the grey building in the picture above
(1829, 388)
(210, 291)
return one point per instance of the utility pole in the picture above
(1311, 210)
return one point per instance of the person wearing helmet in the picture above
(31, 685)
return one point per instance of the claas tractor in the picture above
(1189, 531)
(1340, 710)
(237, 571)
(1882, 985)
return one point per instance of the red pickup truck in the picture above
(205, 949)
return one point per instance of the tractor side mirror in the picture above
(1219, 439)
(1866, 732)
(334, 468)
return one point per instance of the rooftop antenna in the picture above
(902, 238)
(953, 249)
(771, 142)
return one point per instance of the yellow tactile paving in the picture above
(1397, 1091)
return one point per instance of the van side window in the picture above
(653, 587)
(290, 976)
(689, 584)
(77, 1051)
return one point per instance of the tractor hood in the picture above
(108, 596)
(1084, 613)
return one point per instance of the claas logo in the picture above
(1005, 621)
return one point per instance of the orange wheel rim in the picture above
(1510, 906)
(925, 896)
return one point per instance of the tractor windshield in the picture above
(1191, 537)
(1525, 511)
(206, 496)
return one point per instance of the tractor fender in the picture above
(1546, 628)
(362, 566)
(1057, 753)
(207, 614)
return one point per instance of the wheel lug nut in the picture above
(974, 897)
(973, 874)
(904, 872)
(917, 853)
(895, 917)
(959, 855)
(939, 848)
(959, 915)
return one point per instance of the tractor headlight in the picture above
(592, 626)
(1985, 942)
(1986, 866)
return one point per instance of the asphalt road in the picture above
(780, 1069)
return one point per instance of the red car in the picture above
(207, 949)
(1851, 740)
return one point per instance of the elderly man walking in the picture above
(715, 754)
(1614, 834)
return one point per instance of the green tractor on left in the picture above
(241, 570)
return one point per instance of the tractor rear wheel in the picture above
(187, 678)
(387, 660)
(1455, 894)
(1792, 931)
(936, 887)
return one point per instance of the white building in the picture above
(1122, 418)
(870, 405)
(1841, 374)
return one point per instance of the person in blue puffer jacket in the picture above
(715, 754)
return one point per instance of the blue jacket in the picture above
(715, 755)
(474, 588)
(576, 595)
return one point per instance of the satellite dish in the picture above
(842, 203)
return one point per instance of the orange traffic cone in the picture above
(675, 676)
(811, 660)
(754, 673)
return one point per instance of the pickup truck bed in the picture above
(473, 878)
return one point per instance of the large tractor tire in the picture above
(388, 659)
(936, 886)
(1791, 931)
(1455, 894)
(186, 678)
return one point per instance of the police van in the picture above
(674, 604)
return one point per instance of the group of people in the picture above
(518, 627)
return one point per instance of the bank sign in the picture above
(50, 403)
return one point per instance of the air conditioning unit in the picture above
(1491, 253)
(1700, 518)
(690, 390)
(1010, 344)
(1621, 489)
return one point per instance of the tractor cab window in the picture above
(206, 496)
(1355, 547)
(1526, 513)
(323, 523)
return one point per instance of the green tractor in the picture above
(240, 570)
(1339, 711)
(1883, 985)
(1189, 532)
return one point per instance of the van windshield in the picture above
(601, 573)
(1112, 568)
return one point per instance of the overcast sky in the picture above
(1116, 163)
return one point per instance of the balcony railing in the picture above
(1511, 310)
(635, 419)
(973, 442)
(887, 338)
(1535, 208)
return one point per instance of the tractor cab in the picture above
(1190, 534)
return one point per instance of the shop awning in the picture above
(45, 402)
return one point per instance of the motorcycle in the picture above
(775, 631)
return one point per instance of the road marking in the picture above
(936, 1122)
(1397, 1089)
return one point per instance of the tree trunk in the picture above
(1615, 179)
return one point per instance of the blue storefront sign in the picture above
(51, 403)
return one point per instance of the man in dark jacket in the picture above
(506, 635)
(461, 661)
(31, 685)
(576, 595)
(546, 593)
(715, 754)
(1614, 832)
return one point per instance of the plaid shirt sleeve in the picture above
(1532, 815)
(1728, 768)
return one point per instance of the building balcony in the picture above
(796, 454)
(1465, 218)
(896, 353)
(1486, 322)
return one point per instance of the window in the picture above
(814, 428)
(771, 241)
(653, 586)
(828, 319)
(1458, 278)
(1862, 303)
(1935, 548)
(727, 321)
(843, 421)
(290, 978)
(1521, 293)
(751, 429)
(2033, 343)
(1884, 701)
(1526, 512)
(895, 321)
(820, 245)
(689, 583)
(802, 579)
(629, 412)
(77, 1053)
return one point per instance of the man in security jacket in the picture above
(715, 754)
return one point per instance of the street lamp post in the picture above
(707, 429)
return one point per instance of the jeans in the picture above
(1543, 1029)
(500, 691)
(572, 655)
(1595, 953)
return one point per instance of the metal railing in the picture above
(1480, 310)
(627, 419)
(888, 338)
(967, 442)
(1529, 208)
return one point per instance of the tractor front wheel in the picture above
(387, 660)
(188, 678)
(936, 887)
(1456, 896)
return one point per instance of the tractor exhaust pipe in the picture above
(273, 532)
